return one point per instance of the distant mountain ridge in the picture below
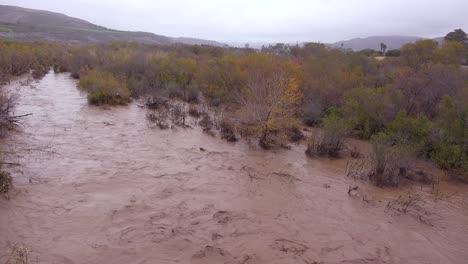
(17, 23)
(373, 42)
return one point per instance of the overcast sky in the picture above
(267, 20)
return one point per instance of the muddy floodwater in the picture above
(99, 185)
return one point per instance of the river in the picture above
(100, 185)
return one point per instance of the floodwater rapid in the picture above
(100, 185)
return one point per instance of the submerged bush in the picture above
(228, 130)
(193, 112)
(39, 71)
(449, 156)
(104, 88)
(388, 165)
(178, 115)
(390, 162)
(294, 134)
(5, 181)
(330, 139)
(192, 96)
(207, 124)
(452, 158)
(312, 113)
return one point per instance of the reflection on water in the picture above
(113, 190)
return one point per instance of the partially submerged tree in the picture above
(269, 97)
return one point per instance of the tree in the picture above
(417, 54)
(368, 110)
(393, 53)
(457, 35)
(269, 97)
(450, 136)
(451, 52)
(383, 48)
(368, 52)
(423, 88)
(220, 79)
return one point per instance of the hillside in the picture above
(17, 23)
(373, 42)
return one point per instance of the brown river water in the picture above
(100, 185)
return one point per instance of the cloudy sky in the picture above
(241, 21)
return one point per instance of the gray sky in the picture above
(267, 20)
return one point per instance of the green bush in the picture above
(450, 151)
(369, 109)
(412, 132)
(104, 88)
(228, 130)
(450, 156)
(393, 53)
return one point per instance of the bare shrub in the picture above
(159, 117)
(324, 144)
(178, 115)
(228, 130)
(5, 182)
(39, 72)
(295, 134)
(355, 153)
(156, 102)
(19, 255)
(193, 112)
(8, 120)
(388, 165)
(411, 204)
(167, 115)
(391, 163)
(207, 123)
(7, 103)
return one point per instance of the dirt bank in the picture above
(105, 188)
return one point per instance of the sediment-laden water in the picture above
(100, 185)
